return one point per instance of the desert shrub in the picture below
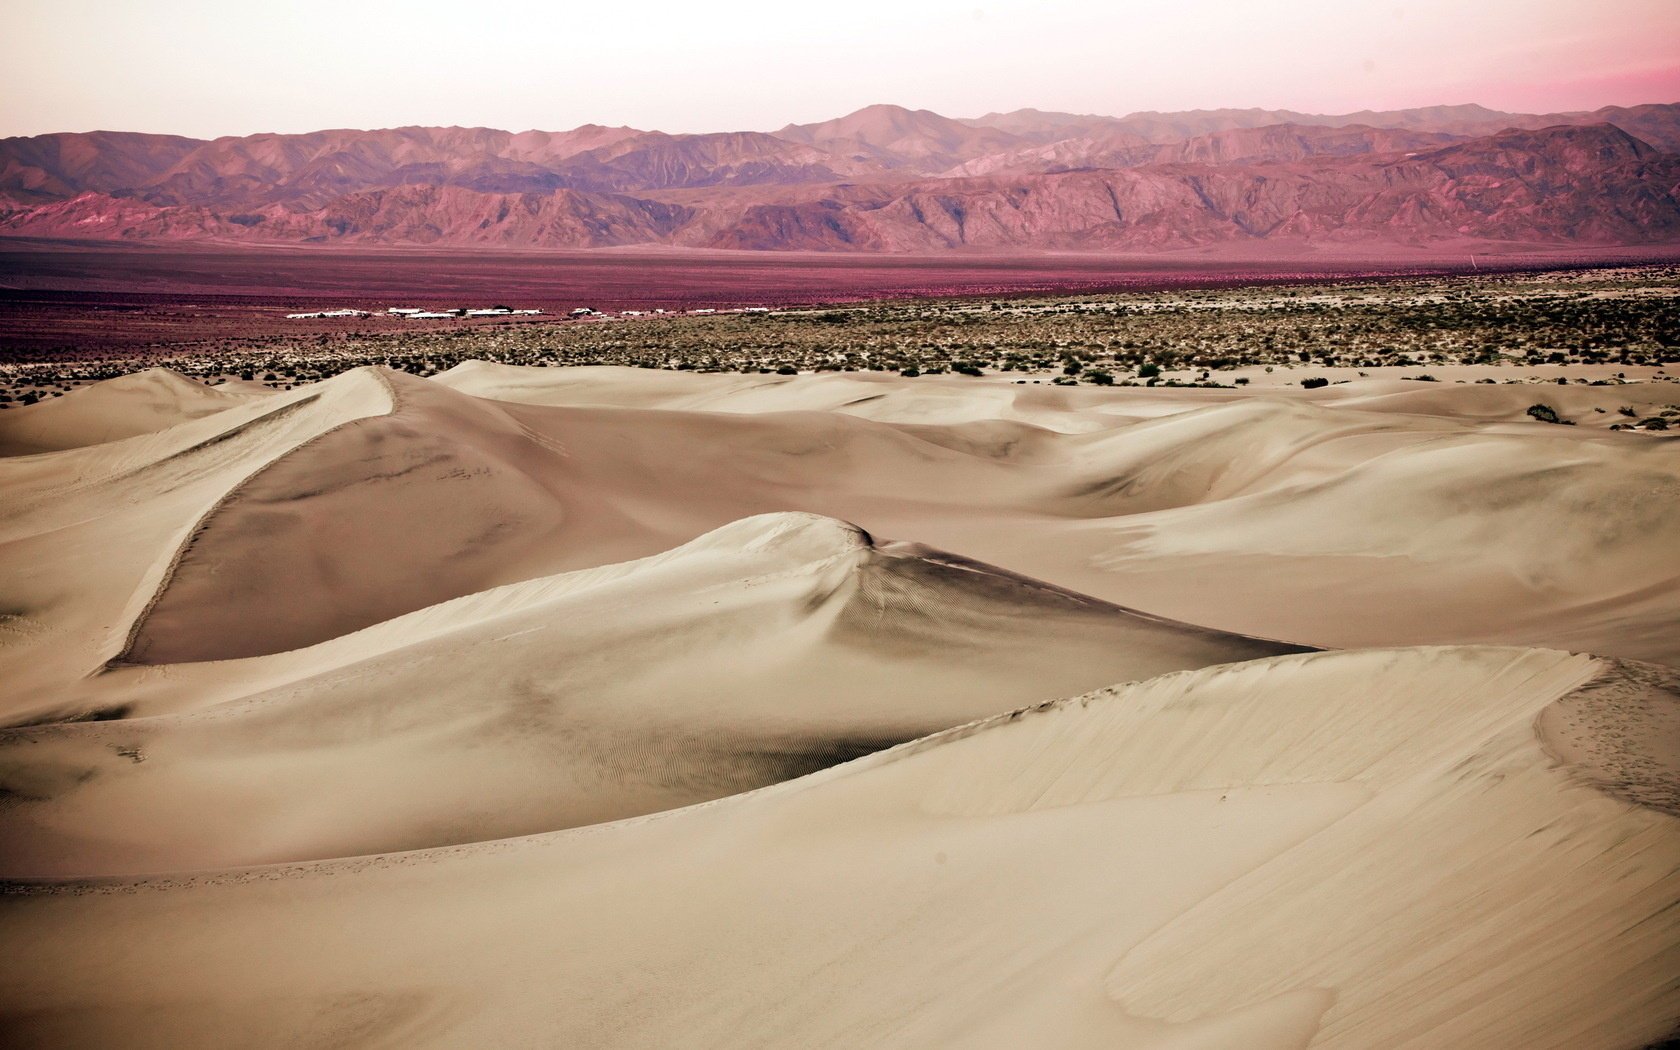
(1314, 382)
(1544, 413)
(1149, 370)
(912, 371)
(787, 370)
(1654, 423)
(1099, 378)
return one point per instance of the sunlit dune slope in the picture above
(1427, 847)
(109, 411)
(766, 649)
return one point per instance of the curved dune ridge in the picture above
(616, 707)
(763, 650)
(1362, 849)
(141, 403)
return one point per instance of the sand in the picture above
(608, 707)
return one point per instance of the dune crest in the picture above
(139, 403)
(769, 648)
(1274, 893)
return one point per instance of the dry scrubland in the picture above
(1591, 324)
(406, 698)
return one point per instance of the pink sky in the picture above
(209, 68)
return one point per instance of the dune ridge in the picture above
(614, 691)
(1156, 966)
(614, 707)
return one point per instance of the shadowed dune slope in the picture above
(89, 535)
(1352, 850)
(445, 494)
(438, 497)
(766, 649)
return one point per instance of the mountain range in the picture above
(884, 178)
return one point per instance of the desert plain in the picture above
(511, 685)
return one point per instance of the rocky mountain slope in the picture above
(882, 179)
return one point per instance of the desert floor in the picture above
(629, 707)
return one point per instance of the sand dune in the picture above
(1372, 517)
(1365, 849)
(761, 651)
(141, 403)
(1397, 493)
(618, 707)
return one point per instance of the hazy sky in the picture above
(236, 66)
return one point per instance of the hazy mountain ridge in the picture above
(881, 179)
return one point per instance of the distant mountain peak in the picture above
(882, 178)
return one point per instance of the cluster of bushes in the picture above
(1515, 319)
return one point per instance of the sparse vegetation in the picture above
(1522, 322)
